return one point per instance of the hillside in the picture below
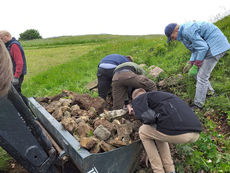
(71, 62)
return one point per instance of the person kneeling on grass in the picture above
(166, 119)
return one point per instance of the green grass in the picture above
(4, 158)
(40, 60)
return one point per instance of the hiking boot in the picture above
(195, 107)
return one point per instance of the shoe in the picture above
(195, 107)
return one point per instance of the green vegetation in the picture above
(30, 34)
(4, 158)
(69, 63)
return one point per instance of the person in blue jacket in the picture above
(207, 44)
(105, 72)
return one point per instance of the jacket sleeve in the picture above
(17, 57)
(142, 111)
(199, 47)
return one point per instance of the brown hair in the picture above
(6, 73)
(138, 92)
(130, 58)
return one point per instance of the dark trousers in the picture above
(19, 85)
(124, 80)
(19, 90)
(104, 77)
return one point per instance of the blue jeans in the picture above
(202, 83)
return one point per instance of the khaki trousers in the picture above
(122, 81)
(157, 148)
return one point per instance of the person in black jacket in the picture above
(166, 119)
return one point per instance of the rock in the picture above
(108, 125)
(124, 131)
(99, 104)
(65, 108)
(53, 106)
(67, 114)
(83, 129)
(155, 71)
(110, 115)
(65, 102)
(85, 101)
(116, 142)
(69, 123)
(162, 83)
(42, 99)
(171, 81)
(74, 110)
(92, 85)
(106, 147)
(58, 114)
(88, 142)
(92, 112)
(84, 119)
(96, 148)
(102, 133)
(174, 80)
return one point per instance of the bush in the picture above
(30, 34)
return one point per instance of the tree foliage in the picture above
(30, 34)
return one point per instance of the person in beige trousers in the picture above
(166, 119)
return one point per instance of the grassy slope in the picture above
(71, 62)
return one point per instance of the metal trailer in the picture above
(19, 140)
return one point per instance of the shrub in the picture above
(30, 34)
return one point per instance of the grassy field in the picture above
(71, 62)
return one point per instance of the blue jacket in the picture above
(114, 59)
(199, 37)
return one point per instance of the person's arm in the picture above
(200, 48)
(142, 111)
(17, 57)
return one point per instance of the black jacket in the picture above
(170, 114)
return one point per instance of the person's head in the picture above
(5, 36)
(129, 58)
(6, 74)
(171, 31)
(138, 92)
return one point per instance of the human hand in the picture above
(130, 109)
(193, 71)
(187, 67)
(15, 81)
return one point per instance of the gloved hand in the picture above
(15, 81)
(187, 67)
(193, 71)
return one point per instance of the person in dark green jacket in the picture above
(128, 75)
